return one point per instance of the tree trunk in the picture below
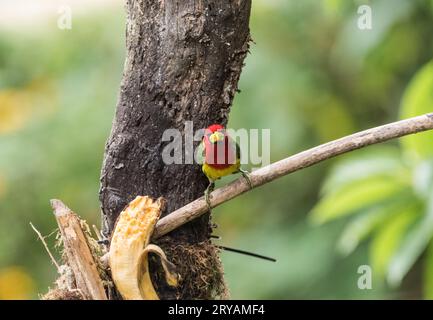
(183, 63)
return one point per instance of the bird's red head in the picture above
(214, 133)
(215, 127)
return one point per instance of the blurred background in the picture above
(312, 76)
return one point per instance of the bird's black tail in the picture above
(247, 253)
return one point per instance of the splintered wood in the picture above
(78, 253)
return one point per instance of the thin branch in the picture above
(42, 238)
(291, 164)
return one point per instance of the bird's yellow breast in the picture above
(216, 173)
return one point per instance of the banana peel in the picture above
(130, 248)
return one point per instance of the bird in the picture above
(220, 156)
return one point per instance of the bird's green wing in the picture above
(238, 151)
(232, 143)
(238, 148)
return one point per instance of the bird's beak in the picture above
(216, 136)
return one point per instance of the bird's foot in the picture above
(246, 175)
(207, 193)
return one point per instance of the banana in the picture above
(129, 249)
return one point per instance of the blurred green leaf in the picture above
(412, 246)
(358, 195)
(423, 179)
(381, 160)
(386, 241)
(417, 100)
(360, 227)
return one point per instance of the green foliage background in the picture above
(312, 76)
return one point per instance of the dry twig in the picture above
(42, 238)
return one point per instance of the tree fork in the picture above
(183, 62)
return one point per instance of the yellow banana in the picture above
(129, 249)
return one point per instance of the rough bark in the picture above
(183, 63)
